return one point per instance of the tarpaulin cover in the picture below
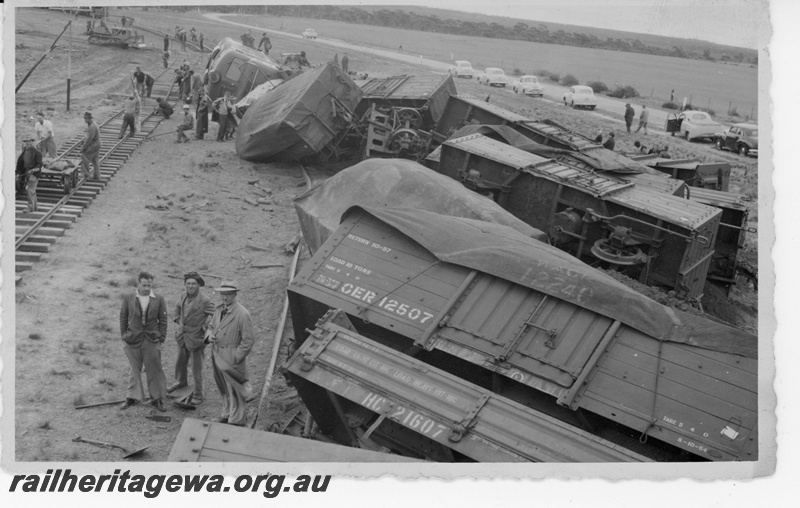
(501, 251)
(297, 119)
(394, 183)
(257, 93)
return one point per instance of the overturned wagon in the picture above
(655, 237)
(462, 340)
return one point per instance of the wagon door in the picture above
(528, 336)
(249, 78)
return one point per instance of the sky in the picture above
(732, 22)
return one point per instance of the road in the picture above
(607, 107)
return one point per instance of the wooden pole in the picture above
(69, 61)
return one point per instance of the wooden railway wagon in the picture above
(656, 238)
(731, 235)
(452, 339)
(707, 175)
(463, 110)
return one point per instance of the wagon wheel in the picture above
(405, 139)
(66, 183)
(626, 256)
(408, 118)
(93, 39)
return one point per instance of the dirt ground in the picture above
(68, 349)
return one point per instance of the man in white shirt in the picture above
(44, 135)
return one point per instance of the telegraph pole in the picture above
(69, 60)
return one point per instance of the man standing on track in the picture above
(643, 116)
(44, 135)
(29, 169)
(165, 58)
(130, 115)
(143, 327)
(166, 42)
(148, 84)
(629, 114)
(232, 335)
(191, 313)
(139, 81)
(90, 152)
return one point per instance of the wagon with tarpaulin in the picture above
(657, 238)
(451, 339)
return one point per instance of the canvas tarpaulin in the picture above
(394, 183)
(503, 252)
(298, 118)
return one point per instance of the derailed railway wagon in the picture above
(655, 237)
(452, 339)
(582, 152)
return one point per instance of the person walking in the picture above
(231, 334)
(200, 39)
(90, 151)
(629, 114)
(672, 95)
(143, 328)
(166, 42)
(265, 42)
(203, 103)
(643, 116)
(186, 125)
(131, 113)
(191, 314)
(29, 170)
(44, 135)
(610, 142)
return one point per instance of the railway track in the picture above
(60, 206)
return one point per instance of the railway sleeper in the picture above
(22, 266)
(63, 210)
(42, 239)
(34, 247)
(27, 257)
(24, 221)
(48, 232)
(56, 216)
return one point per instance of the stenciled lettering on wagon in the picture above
(348, 265)
(404, 310)
(405, 416)
(328, 282)
(680, 425)
(555, 285)
(370, 243)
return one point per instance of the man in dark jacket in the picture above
(148, 84)
(163, 108)
(90, 151)
(203, 102)
(610, 142)
(191, 313)
(29, 169)
(629, 113)
(143, 327)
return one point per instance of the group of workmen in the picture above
(227, 328)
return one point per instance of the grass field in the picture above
(707, 84)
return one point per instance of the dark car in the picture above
(741, 138)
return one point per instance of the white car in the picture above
(493, 76)
(528, 85)
(580, 96)
(698, 125)
(462, 69)
(309, 33)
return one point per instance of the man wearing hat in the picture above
(232, 335)
(186, 125)
(29, 169)
(629, 113)
(143, 327)
(90, 151)
(191, 313)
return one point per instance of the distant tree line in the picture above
(520, 31)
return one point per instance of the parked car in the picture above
(528, 85)
(698, 125)
(580, 96)
(462, 69)
(493, 76)
(741, 137)
(309, 33)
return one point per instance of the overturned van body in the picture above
(655, 237)
(461, 340)
(237, 69)
(298, 118)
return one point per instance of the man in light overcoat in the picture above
(232, 334)
(191, 314)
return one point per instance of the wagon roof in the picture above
(406, 87)
(505, 253)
